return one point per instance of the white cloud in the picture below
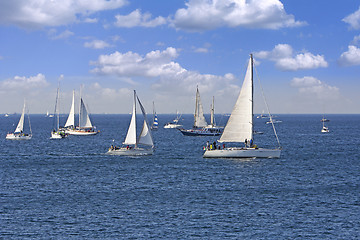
(210, 14)
(41, 13)
(24, 83)
(63, 35)
(310, 86)
(97, 44)
(136, 19)
(353, 19)
(284, 59)
(351, 57)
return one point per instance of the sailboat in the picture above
(85, 126)
(324, 128)
(18, 133)
(132, 141)
(175, 122)
(201, 127)
(57, 133)
(155, 123)
(239, 128)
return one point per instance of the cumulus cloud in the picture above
(161, 65)
(137, 19)
(284, 58)
(24, 83)
(312, 86)
(351, 57)
(40, 13)
(63, 35)
(97, 44)
(353, 20)
(202, 15)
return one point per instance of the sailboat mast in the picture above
(252, 94)
(134, 112)
(212, 122)
(80, 107)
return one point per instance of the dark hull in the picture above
(195, 132)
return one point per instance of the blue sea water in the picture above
(69, 189)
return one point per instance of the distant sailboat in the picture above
(175, 122)
(85, 126)
(57, 133)
(201, 127)
(132, 141)
(324, 128)
(155, 123)
(239, 128)
(18, 133)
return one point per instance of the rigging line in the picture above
(267, 107)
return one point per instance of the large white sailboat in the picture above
(19, 131)
(57, 133)
(85, 127)
(201, 127)
(131, 145)
(239, 128)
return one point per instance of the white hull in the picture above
(57, 135)
(130, 152)
(172, 125)
(243, 153)
(81, 132)
(12, 136)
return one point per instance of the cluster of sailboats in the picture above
(238, 132)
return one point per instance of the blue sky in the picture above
(307, 53)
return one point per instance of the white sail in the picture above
(240, 124)
(145, 135)
(131, 134)
(20, 126)
(84, 120)
(71, 118)
(199, 118)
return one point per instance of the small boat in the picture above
(85, 127)
(324, 128)
(6, 115)
(201, 127)
(175, 122)
(57, 133)
(155, 123)
(131, 145)
(239, 128)
(273, 121)
(18, 133)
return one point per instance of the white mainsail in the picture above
(199, 118)
(240, 124)
(20, 126)
(145, 135)
(84, 120)
(131, 134)
(71, 118)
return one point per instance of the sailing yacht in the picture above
(85, 127)
(239, 128)
(132, 141)
(175, 122)
(18, 133)
(155, 123)
(57, 133)
(201, 127)
(324, 128)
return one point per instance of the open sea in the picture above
(69, 189)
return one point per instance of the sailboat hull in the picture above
(130, 152)
(14, 136)
(58, 135)
(243, 153)
(81, 132)
(200, 132)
